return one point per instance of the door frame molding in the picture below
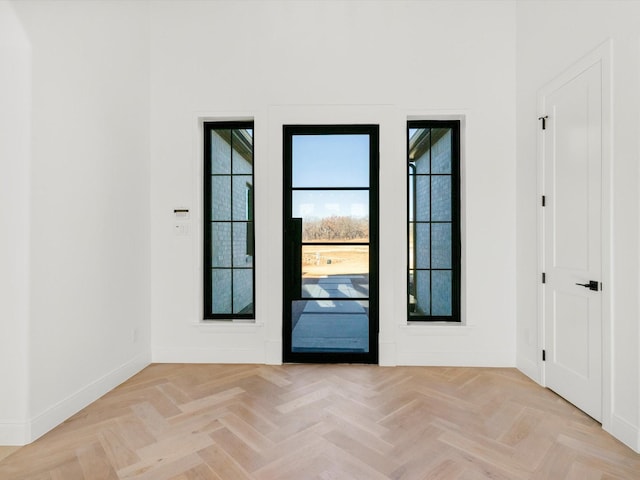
(600, 55)
(271, 119)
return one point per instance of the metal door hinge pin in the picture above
(544, 121)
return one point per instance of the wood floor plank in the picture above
(211, 401)
(223, 464)
(255, 417)
(446, 470)
(355, 447)
(498, 455)
(355, 414)
(309, 394)
(67, 470)
(325, 422)
(94, 463)
(173, 447)
(116, 449)
(345, 461)
(242, 454)
(164, 470)
(28, 462)
(201, 472)
(360, 435)
(293, 455)
(151, 419)
(134, 431)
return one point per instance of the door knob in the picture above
(592, 285)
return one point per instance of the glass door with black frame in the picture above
(331, 243)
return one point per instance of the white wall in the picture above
(89, 194)
(334, 62)
(15, 99)
(551, 37)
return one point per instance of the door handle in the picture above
(296, 258)
(592, 285)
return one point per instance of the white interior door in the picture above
(572, 255)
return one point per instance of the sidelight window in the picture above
(228, 220)
(434, 220)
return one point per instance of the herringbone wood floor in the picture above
(236, 422)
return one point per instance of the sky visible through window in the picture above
(330, 161)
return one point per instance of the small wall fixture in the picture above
(181, 213)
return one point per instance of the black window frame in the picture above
(208, 128)
(456, 242)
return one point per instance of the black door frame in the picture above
(291, 253)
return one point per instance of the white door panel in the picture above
(572, 240)
(571, 329)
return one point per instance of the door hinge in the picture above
(544, 201)
(544, 277)
(544, 355)
(544, 121)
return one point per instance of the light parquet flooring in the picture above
(6, 451)
(325, 422)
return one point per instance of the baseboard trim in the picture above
(456, 359)
(626, 432)
(529, 368)
(61, 411)
(208, 355)
(388, 355)
(14, 433)
(273, 349)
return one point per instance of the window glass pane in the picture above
(412, 243)
(242, 247)
(422, 240)
(241, 185)
(441, 150)
(419, 153)
(411, 289)
(342, 286)
(441, 292)
(441, 198)
(441, 245)
(329, 260)
(242, 290)
(243, 151)
(330, 161)
(335, 285)
(423, 198)
(221, 244)
(220, 151)
(422, 292)
(221, 291)
(346, 329)
(332, 216)
(411, 195)
(220, 198)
